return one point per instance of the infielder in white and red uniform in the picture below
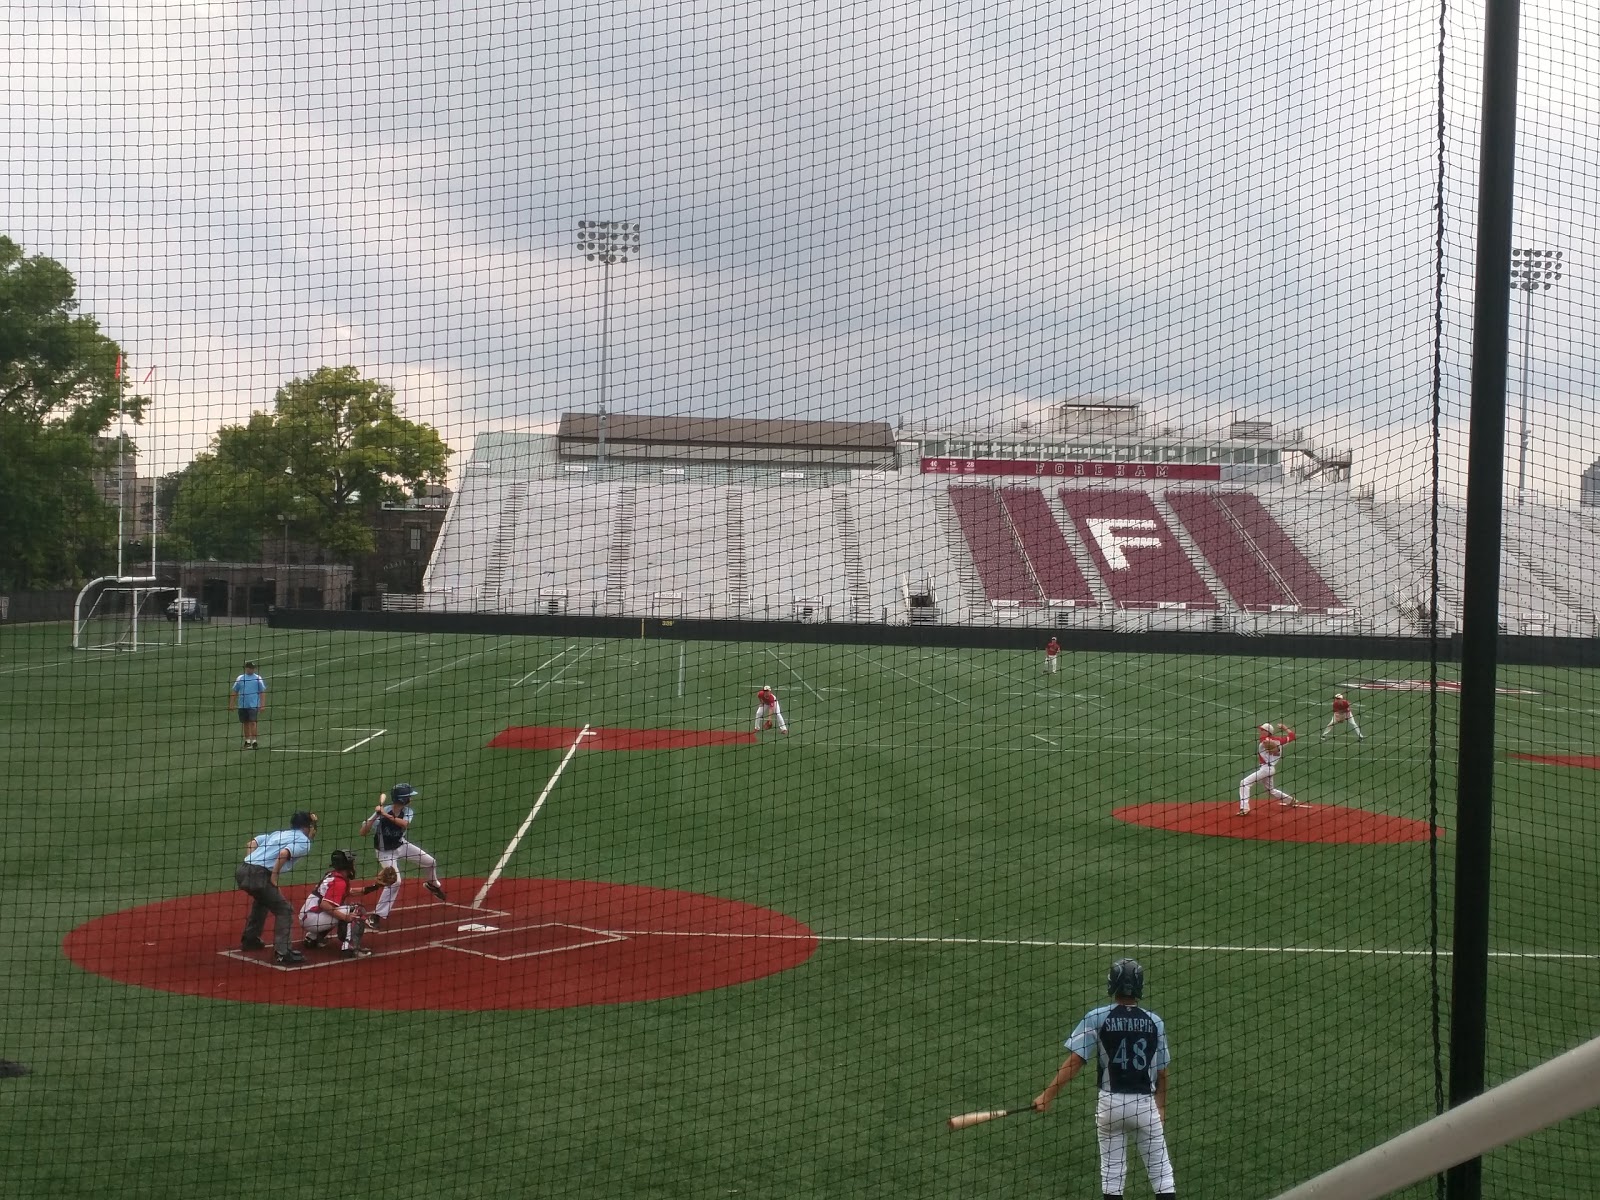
(1341, 714)
(328, 909)
(1270, 741)
(1052, 656)
(768, 710)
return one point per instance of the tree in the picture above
(60, 390)
(333, 448)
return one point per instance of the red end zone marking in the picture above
(549, 737)
(1590, 761)
(543, 943)
(1267, 821)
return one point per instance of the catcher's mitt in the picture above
(386, 878)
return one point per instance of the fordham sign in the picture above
(1069, 470)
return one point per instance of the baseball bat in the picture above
(967, 1120)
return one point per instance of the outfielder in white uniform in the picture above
(327, 909)
(768, 710)
(389, 824)
(1341, 714)
(1270, 742)
(1129, 1045)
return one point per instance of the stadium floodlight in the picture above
(607, 242)
(1531, 271)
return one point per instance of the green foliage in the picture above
(332, 449)
(59, 391)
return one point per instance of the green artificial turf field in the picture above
(942, 820)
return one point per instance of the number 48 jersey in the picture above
(1129, 1045)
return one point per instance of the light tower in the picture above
(1531, 271)
(607, 242)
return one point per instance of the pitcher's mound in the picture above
(1268, 821)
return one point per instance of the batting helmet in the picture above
(1126, 978)
(343, 860)
(403, 792)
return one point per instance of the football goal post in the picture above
(117, 612)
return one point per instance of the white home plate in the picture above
(474, 927)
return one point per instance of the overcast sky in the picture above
(910, 211)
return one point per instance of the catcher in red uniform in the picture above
(328, 910)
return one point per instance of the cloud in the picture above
(860, 210)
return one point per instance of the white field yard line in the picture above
(544, 664)
(328, 662)
(1049, 944)
(903, 675)
(588, 651)
(795, 673)
(357, 745)
(465, 658)
(483, 892)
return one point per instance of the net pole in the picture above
(1480, 610)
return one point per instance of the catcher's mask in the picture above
(343, 861)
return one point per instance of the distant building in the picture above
(1589, 486)
(404, 535)
(119, 485)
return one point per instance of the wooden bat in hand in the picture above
(966, 1120)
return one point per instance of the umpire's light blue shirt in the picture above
(269, 844)
(249, 689)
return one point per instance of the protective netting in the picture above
(665, 441)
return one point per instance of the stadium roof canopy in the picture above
(864, 444)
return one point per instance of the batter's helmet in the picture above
(403, 791)
(1126, 978)
(343, 860)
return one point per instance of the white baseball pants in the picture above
(773, 711)
(1262, 774)
(1117, 1117)
(393, 858)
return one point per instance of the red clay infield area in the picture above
(1268, 821)
(553, 737)
(536, 943)
(1590, 761)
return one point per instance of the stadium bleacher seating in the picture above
(1001, 566)
(1057, 572)
(523, 535)
(1242, 570)
(1134, 549)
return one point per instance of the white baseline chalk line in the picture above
(363, 741)
(1047, 944)
(477, 901)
